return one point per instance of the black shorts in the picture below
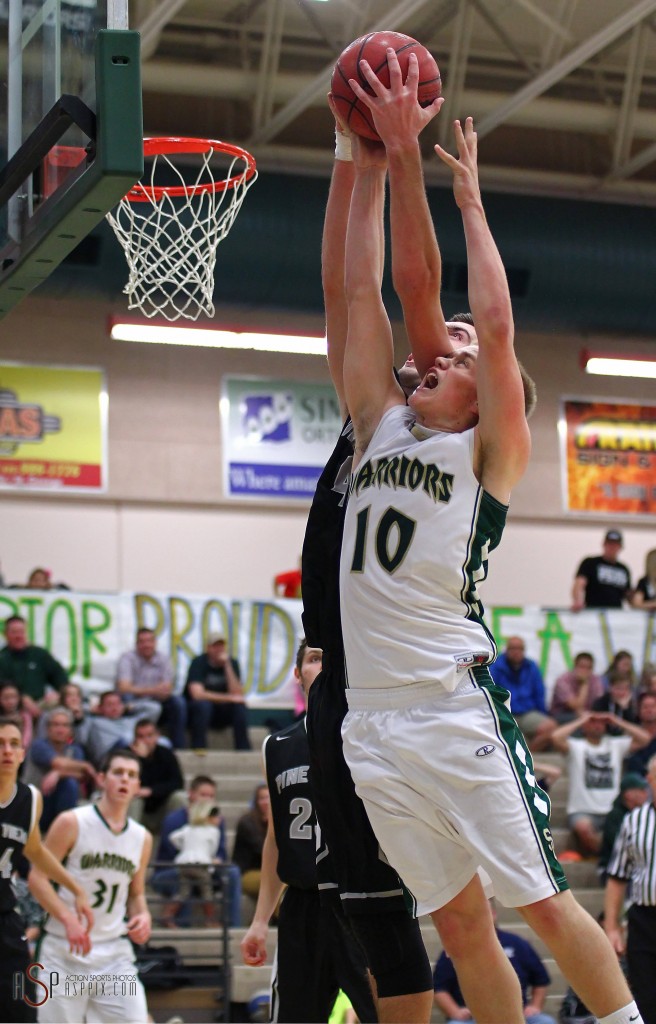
(15, 959)
(317, 955)
(356, 870)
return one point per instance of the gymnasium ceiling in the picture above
(563, 91)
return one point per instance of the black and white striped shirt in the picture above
(634, 854)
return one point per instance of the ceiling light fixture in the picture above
(617, 366)
(156, 334)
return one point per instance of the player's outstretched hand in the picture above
(139, 928)
(253, 945)
(77, 933)
(398, 116)
(465, 169)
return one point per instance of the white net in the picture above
(170, 241)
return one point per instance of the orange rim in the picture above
(165, 145)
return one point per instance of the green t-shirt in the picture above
(31, 669)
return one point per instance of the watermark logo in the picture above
(71, 986)
(19, 987)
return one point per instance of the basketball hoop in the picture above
(170, 232)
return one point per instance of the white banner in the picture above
(88, 632)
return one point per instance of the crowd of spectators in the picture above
(67, 740)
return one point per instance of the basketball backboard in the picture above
(71, 130)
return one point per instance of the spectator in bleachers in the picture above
(162, 784)
(619, 699)
(196, 844)
(522, 678)
(577, 690)
(165, 880)
(71, 697)
(36, 673)
(145, 680)
(215, 695)
(634, 790)
(621, 664)
(647, 719)
(111, 726)
(644, 595)
(11, 703)
(249, 841)
(533, 977)
(595, 762)
(602, 581)
(57, 766)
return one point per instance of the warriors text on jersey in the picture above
(104, 863)
(17, 819)
(287, 760)
(418, 531)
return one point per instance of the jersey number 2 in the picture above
(394, 535)
(302, 811)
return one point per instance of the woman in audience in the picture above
(644, 595)
(622, 664)
(11, 703)
(249, 840)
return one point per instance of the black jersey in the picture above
(17, 818)
(287, 761)
(321, 550)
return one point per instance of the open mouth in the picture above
(431, 380)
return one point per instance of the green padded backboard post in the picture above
(73, 211)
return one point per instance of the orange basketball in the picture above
(373, 48)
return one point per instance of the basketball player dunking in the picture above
(107, 853)
(20, 810)
(436, 756)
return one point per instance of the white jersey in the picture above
(595, 772)
(104, 864)
(197, 843)
(417, 534)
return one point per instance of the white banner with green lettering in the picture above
(88, 633)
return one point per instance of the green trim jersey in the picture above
(104, 863)
(418, 532)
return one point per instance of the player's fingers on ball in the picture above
(393, 65)
(365, 97)
(412, 74)
(371, 76)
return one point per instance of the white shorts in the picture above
(447, 781)
(93, 989)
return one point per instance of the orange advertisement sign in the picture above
(53, 428)
(609, 456)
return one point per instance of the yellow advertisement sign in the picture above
(609, 454)
(53, 428)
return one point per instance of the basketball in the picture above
(373, 48)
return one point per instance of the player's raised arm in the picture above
(503, 439)
(333, 243)
(416, 261)
(369, 382)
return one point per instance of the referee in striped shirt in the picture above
(633, 862)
